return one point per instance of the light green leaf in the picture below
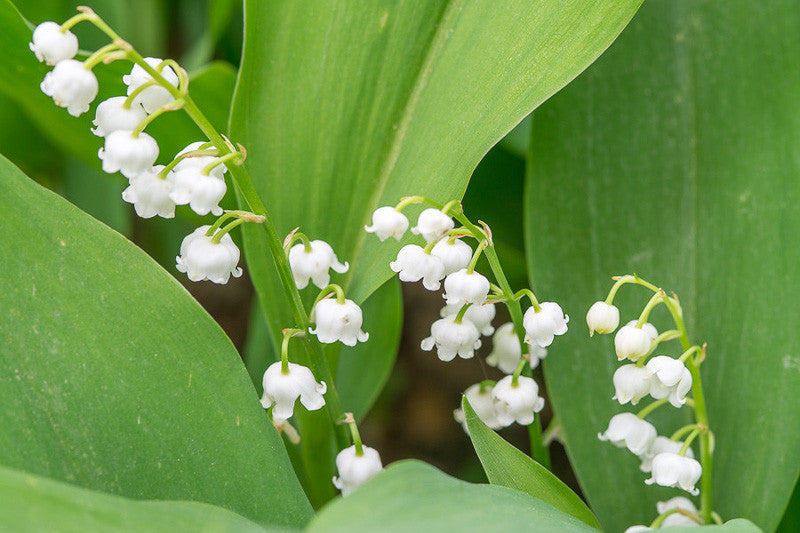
(411, 496)
(507, 466)
(30, 503)
(676, 157)
(115, 379)
(740, 525)
(344, 106)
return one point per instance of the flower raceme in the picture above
(414, 264)
(52, 45)
(281, 390)
(355, 470)
(541, 326)
(338, 322)
(314, 264)
(452, 338)
(201, 258)
(388, 222)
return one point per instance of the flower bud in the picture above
(628, 430)
(632, 343)
(542, 326)
(129, 155)
(111, 116)
(338, 322)
(672, 470)
(455, 256)
(631, 384)
(413, 264)
(355, 470)
(71, 86)
(282, 390)
(203, 259)
(517, 403)
(388, 222)
(452, 339)
(602, 318)
(149, 194)
(52, 45)
(432, 224)
(154, 96)
(465, 287)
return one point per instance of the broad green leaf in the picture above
(411, 496)
(791, 517)
(30, 503)
(739, 525)
(344, 106)
(675, 157)
(115, 379)
(507, 466)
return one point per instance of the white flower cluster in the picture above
(468, 314)
(195, 177)
(669, 462)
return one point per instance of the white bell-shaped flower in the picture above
(314, 264)
(71, 85)
(452, 339)
(632, 343)
(631, 384)
(432, 224)
(149, 193)
(517, 404)
(638, 529)
(673, 470)
(661, 445)
(202, 192)
(506, 350)
(536, 353)
(154, 96)
(127, 154)
(455, 255)
(199, 161)
(338, 322)
(282, 390)
(602, 318)
(483, 404)
(203, 259)
(669, 377)
(465, 287)
(480, 315)
(52, 45)
(677, 519)
(388, 222)
(413, 264)
(355, 470)
(630, 431)
(542, 326)
(112, 116)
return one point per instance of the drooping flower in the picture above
(413, 264)
(541, 326)
(638, 529)
(338, 322)
(632, 343)
(112, 116)
(506, 350)
(465, 287)
(480, 315)
(154, 96)
(481, 400)
(452, 339)
(71, 86)
(388, 222)
(631, 384)
(630, 431)
(432, 224)
(202, 192)
(52, 45)
(661, 445)
(203, 259)
(455, 255)
(282, 390)
(517, 403)
(128, 154)
(314, 264)
(602, 318)
(677, 519)
(199, 161)
(149, 193)
(355, 470)
(673, 470)
(669, 377)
